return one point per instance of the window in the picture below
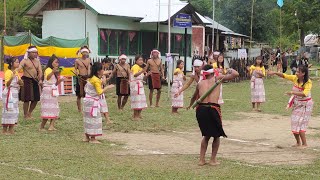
(123, 42)
(163, 38)
(115, 42)
(133, 42)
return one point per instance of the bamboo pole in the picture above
(207, 93)
(169, 46)
(5, 17)
(280, 29)
(212, 48)
(251, 23)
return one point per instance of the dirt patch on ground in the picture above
(257, 139)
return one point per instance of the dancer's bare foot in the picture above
(42, 129)
(202, 163)
(151, 106)
(296, 145)
(86, 139)
(158, 105)
(135, 118)
(109, 122)
(29, 117)
(214, 163)
(303, 147)
(52, 129)
(94, 141)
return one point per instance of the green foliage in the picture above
(15, 20)
(236, 15)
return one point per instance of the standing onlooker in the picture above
(294, 64)
(284, 62)
(305, 60)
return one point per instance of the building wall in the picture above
(198, 40)
(70, 24)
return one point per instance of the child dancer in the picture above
(10, 96)
(178, 78)
(91, 104)
(257, 72)
(301, 103)
(49, 96)
(220, 70)
(138, 97)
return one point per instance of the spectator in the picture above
(294, 64)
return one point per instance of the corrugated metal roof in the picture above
(156, 16)
(36, 6)
(147, 10)
(222, 28)
(144, 10)
(235, 34)
(203, 19)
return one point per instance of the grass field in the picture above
(30, 154)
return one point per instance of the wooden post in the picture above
(5, 17)
(185, 50)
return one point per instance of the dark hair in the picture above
(52, 58)
(179, 62)
(222, 64)
(95, 68)
(106, 60)
(138, 56)
(304, 69)
(255, 62)
(10, 61)
(49, 65)
(206, 67)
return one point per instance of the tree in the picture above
(236, 15)
(15, 20)
(302, 14)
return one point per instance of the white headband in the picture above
(209, 71)
(216, 53)
(197, 62)
(123, 56)
(32, 50)
(159, 54)
(84, 50)
(26, 55)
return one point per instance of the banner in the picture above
(64, 49)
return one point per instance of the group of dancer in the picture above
(92, 85)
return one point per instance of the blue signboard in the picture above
(182, 21)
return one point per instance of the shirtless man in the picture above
(208, 113)
(32, 73)
(122, 72)
(155, 75)
(82, 67)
